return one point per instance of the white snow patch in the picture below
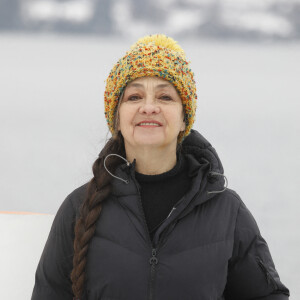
(22, 241)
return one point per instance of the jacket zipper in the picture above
(153, 259)
(174, 222)
(153, 262)
(268, 276)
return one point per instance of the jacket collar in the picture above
(199, 147)
(201, 156)
(204, 166)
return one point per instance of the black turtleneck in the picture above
(161, 192)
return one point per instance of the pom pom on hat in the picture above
(152, 55)
(160, 40)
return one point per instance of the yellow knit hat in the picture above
(152, 55)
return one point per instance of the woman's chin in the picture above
(150, 141)
(154, 138)
(149, 137)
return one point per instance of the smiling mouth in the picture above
(148, 125)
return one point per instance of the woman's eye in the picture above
(137, 97)
(166, 97)
(133, 97)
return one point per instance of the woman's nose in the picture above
(149, 106)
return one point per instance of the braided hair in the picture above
(98, 190)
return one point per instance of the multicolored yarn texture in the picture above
(152, 55)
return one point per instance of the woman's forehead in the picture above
(151, 80)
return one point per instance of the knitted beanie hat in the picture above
(152, 55)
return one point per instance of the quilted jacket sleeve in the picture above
(251, 271)
(52, 278)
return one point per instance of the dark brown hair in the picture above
(98, 190)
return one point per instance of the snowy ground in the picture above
(53, 127)
(22, 241)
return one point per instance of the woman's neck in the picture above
(151, 161)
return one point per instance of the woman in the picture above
(156, 221)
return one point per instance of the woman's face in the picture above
(150, 113)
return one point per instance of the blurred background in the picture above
(246, 19)
(54, 59)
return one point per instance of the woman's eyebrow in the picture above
(139, 85)
(163, 85)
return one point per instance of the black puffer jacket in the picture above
(208, 248)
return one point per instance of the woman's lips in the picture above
(148, 124)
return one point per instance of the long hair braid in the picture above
(98, 190)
